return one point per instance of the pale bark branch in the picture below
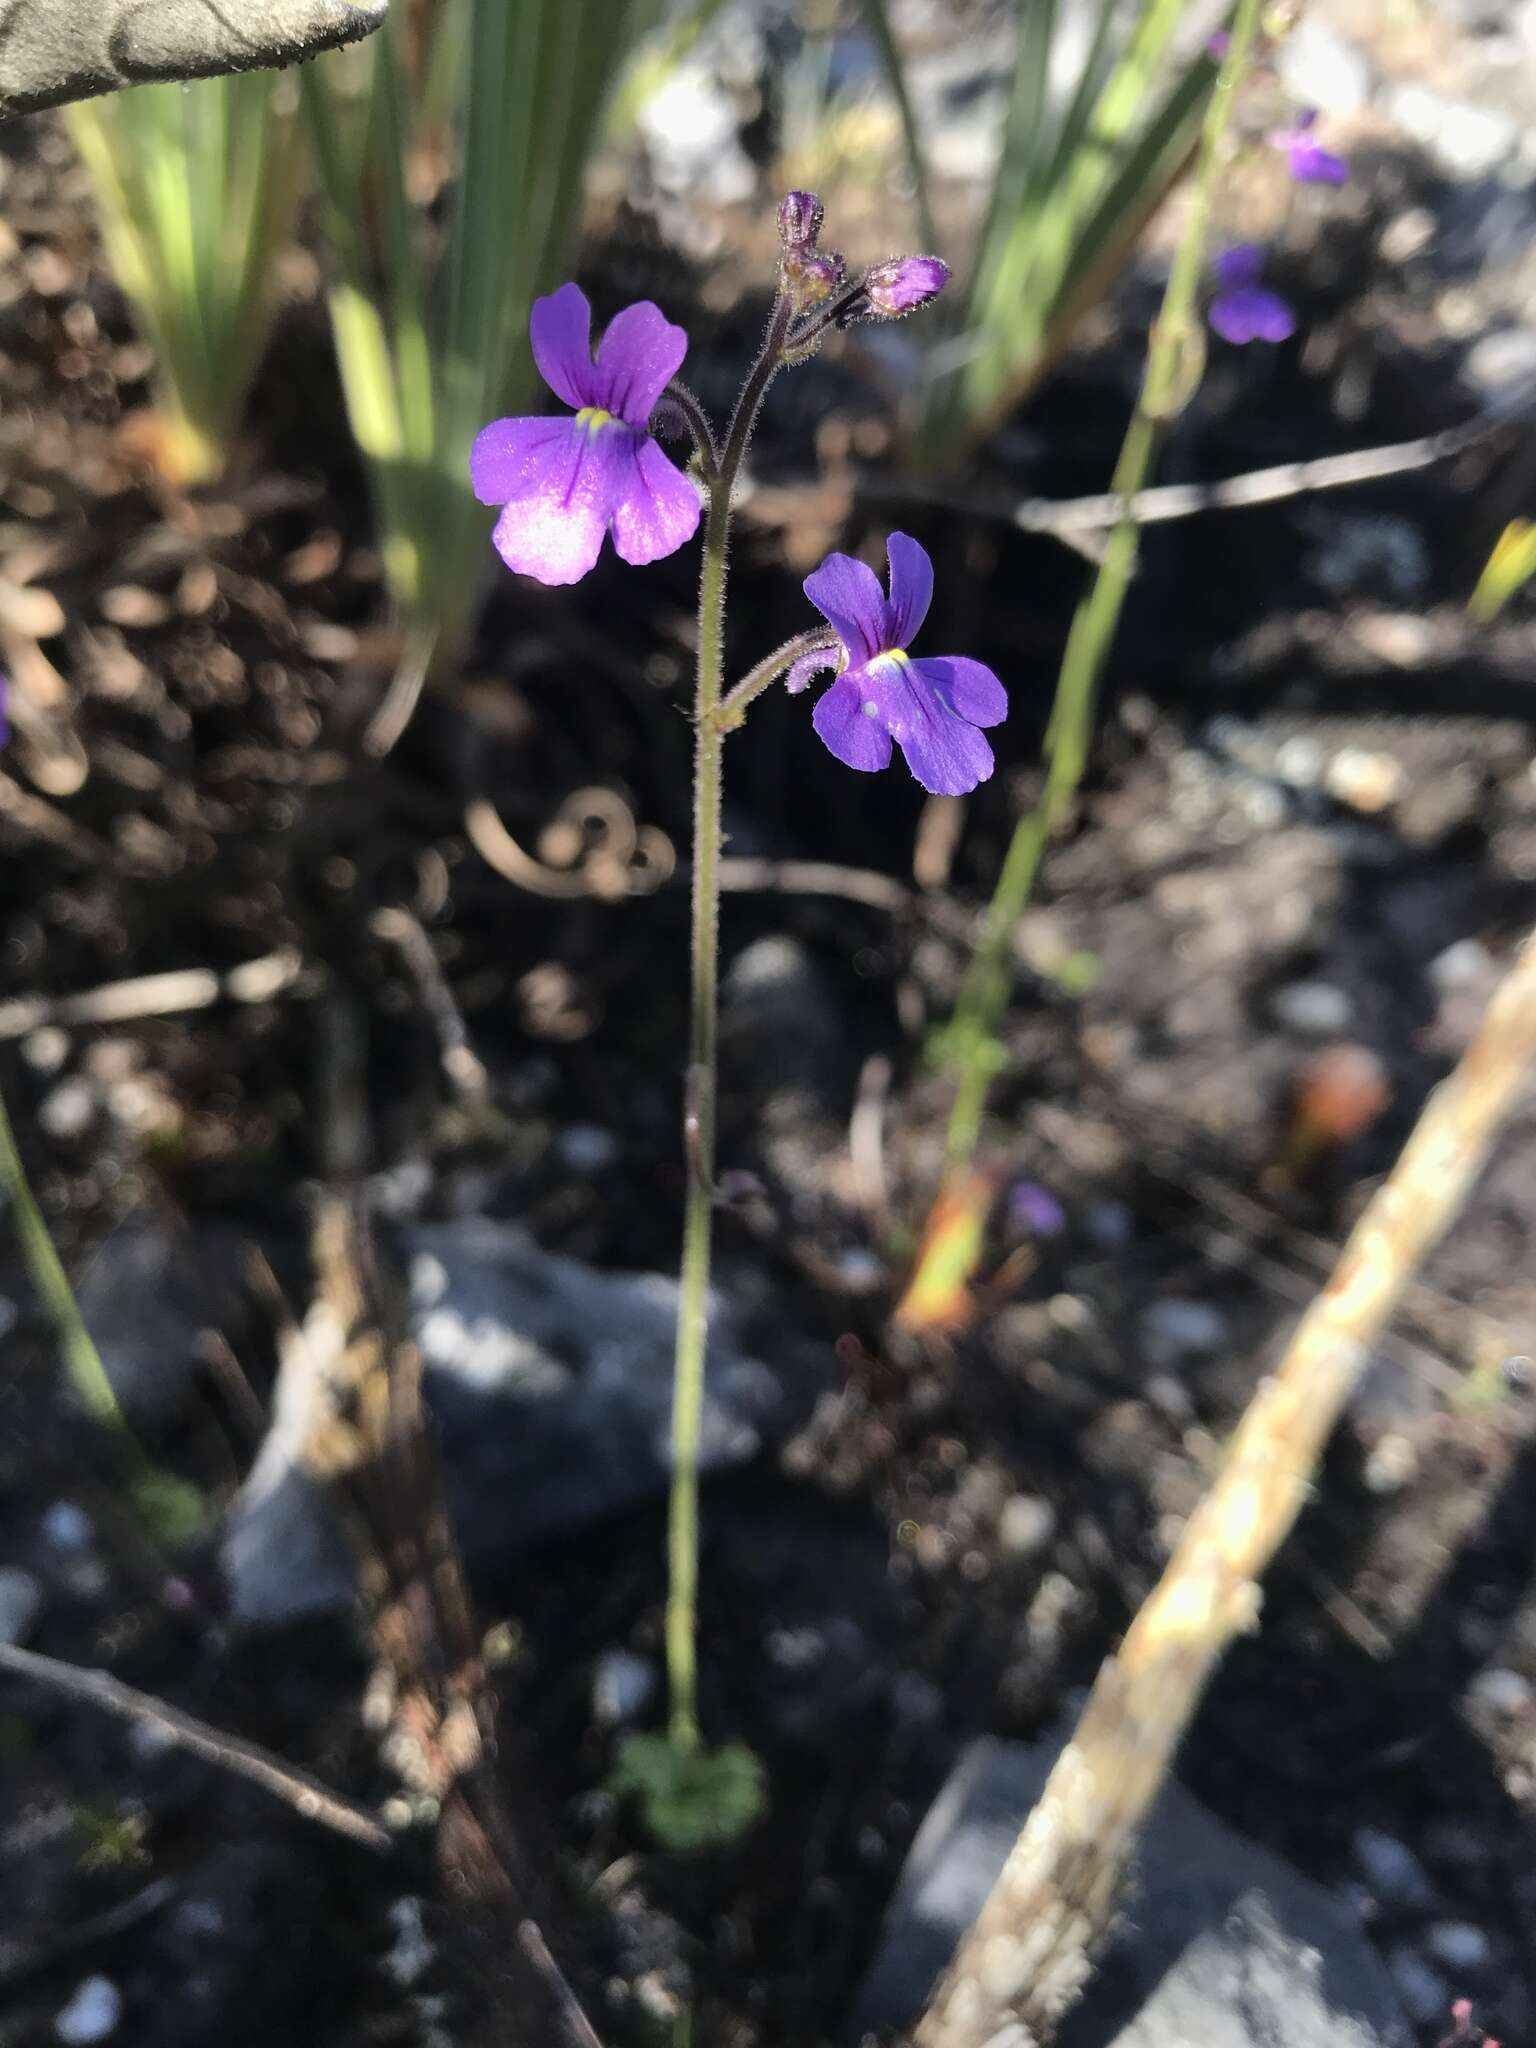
(1031, 1950)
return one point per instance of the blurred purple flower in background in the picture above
(931, 708)
(1243, 309)
(1311, 164)
(1033, 1211)
(562, 483)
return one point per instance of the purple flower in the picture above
(1243, 310)
(1033, 1211)
(1311, 164)
(562, 483)
(904, 284)
(1217, 44)
(931, 707)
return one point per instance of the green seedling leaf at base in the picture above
(691, 1799)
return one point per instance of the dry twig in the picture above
(1030, 1952)
(306, 1795)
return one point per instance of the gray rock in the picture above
(52, 51)
(551, 1385)
(1221, 1944)
(1422, 1989)
(1391, 1869)
(21, 1599)
(148, 1295)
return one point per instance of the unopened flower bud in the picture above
(811, 280)
(904, 284)
(799, 220)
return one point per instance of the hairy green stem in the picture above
(1174, 359)
(699, 1107)
(733, 707)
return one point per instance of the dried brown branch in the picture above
(1028, 1955)
(306, 1795)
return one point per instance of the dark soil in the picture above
(1298, 781)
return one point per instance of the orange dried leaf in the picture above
(938, 1297)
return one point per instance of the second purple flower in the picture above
(563, 483)
(932, 707)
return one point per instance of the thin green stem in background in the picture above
(87, 1373)
(170, 1510)
(1174, 356)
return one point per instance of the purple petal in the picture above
(506, 455)
(848, 596)
(857, 739)
(967, 689)
(947, 756)
(1252, 314)
(560, 328)
(911, 588)
(904, 284)
(803, 673)
(553, 529)
(639, 356)
(657, 509)
(1311, 164)
(1239, 265)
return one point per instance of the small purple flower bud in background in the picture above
(800, 216)
(904, 284)
(1033, 1211)
(1217, 45)
(1243, 310)
(1310, 163)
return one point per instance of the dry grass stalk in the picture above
(1030, 1952)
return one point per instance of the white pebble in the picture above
(1026, 1524)
(1467, 964)
(587, 1148)
(1391, 1869)
(1392, 1464)
(20, 1599)
(1459, 1945)
(1316, 1009)
(622, 1687)
(1501, 1691)
(92, 2014)
(67, 1111)
(67, 1527)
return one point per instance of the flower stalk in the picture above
(1174, 363)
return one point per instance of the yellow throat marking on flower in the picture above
(592, 417)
